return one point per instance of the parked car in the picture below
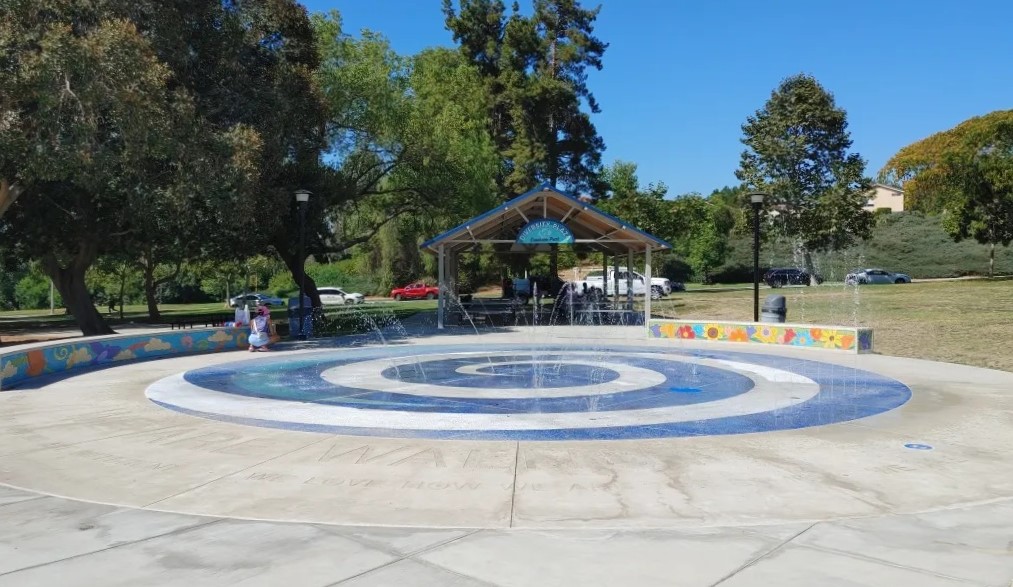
(859, 276)
(659, 285)
(335, 296)
(415, 291)
(255, 299)
(788, 276)
(352, 297)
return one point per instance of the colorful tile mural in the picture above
(855, 340)
(17, 366)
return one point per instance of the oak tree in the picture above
(965, 173)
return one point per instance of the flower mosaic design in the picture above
(765, 333)
(738, 335)
(848, 339)
(714, 332)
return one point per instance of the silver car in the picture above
(255, 299)
(862, 276)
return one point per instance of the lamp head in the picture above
(757, 198)
(302, 196)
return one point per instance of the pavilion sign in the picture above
(545, 231)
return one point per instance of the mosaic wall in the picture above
(855, 340)
(17, 366)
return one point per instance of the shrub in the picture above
(32, 292)
(282, 285)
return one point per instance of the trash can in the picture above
(293, 317)
(774, 309)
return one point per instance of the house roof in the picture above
(889, 187)
(591, 226)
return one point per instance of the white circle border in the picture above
(774, 389)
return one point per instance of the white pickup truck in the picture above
(659, 285)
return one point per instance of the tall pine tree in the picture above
(535, 69)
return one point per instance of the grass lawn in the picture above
(968, 322)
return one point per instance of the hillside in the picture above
(908, 242)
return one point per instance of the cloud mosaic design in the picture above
(855, 340)
(219, 337)
(17, 366)
(80, 356)
(155, 345)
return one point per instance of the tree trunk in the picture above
(149, 293)
(9, 194)
(807, 259)
(295, 268)
(69, 281)
(123, 286)
(991, 260)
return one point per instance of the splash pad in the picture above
(493, 430)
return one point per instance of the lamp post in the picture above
(302, 197)
(756, 199)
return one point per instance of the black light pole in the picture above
(302, 197)
(757, 201)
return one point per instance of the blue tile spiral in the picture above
(540, 375)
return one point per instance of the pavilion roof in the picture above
(591, 227)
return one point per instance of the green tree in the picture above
(116, 279)
(86, 105)
(967, 173)
(535, 70)
(697, 227)
(256, 86)
(643, 207)
(703, 236)
(409, 148)
(32, 291)
(797, 151)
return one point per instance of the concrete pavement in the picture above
(202, 502)
(53, 541)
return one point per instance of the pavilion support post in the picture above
(615, 279)
(647, 298)
(441, 296)
(553, 268)
(605, 276)
(629, 279)
(453, 270)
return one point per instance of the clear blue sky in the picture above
(681, 76)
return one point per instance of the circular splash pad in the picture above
(520, 392)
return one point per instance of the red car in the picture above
(415, 291)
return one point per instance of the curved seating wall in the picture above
(840, 338)
(17, 366)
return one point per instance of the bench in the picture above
(184, 322)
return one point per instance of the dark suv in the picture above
(789, 276)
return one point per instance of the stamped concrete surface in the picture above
(52, 541)
(104, 487)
